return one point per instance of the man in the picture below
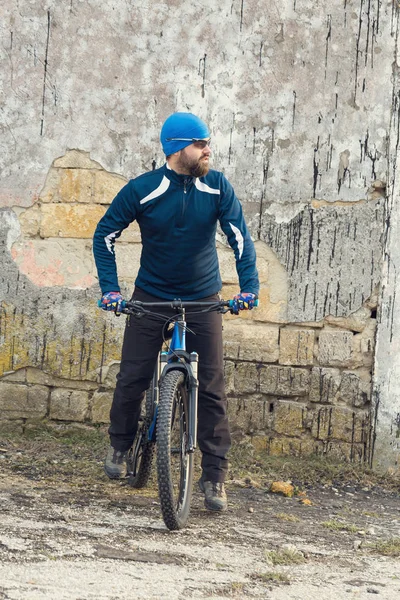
(177, 208)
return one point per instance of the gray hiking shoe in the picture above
(215, 495)
(115, 463)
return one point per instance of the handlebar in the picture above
(136, 306)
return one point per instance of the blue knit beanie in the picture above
(181, 125)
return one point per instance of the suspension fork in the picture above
(193, 401)
(178, 343)
(156, 395)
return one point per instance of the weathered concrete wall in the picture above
(299, 104)
(386, 397)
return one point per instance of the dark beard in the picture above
(195, 168)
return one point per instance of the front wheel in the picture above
(174, 463)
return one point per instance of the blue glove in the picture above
(243, 301)
(110, 301)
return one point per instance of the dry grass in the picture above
(389, 547)
(287, 517)
(272, 577)
(284, 556)
(339, 526)
(303, 471)
(55, 449)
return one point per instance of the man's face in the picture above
(194, 160)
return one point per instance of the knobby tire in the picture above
(174, 470)
(140, 459)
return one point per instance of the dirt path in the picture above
(61, 540)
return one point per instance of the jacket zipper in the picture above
(183, 204)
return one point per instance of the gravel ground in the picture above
(63, 539)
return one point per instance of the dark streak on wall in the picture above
(345, 240)
(45, 71)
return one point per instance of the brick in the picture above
(325, 384)
(269, 311)
(69, 405)
(229, 376)
(346, 452)
(288, 417)
(283, 446)
(259, 442)
(76, 159)
(272, 380)
(357, 321)
(19, 376)
(248, 414)
(38, 376)
(335, 348)
(68, 185)
(101, 404)
(11, 426)
(70, 221)
(23, 401)
(296, 347)
(251, 341)
(246, 378)
(131, 234)
(106, 186)
(283, 381)
(108, 374)
(75, 185)
(364, 346)
(354, 390)
(340, 423)
(30, 221)
(128, 259)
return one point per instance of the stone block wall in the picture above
(302, 101)
(293, 387)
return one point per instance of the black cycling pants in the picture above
(141, 345)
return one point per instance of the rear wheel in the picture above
(140, 457)
(174, 463)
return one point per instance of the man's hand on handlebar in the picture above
(243, 301)
(111, 301)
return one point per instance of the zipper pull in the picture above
(184, 186)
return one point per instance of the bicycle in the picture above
(169, 419)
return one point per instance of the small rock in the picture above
(371, 531)
(357, 544)
(282, 487)
(372, 591)
(250, 509)
(306, 502)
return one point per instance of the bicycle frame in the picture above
(177, 357)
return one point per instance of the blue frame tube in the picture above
(178, 341)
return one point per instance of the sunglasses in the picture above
(201, 144)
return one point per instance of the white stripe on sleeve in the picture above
(239, 239)
(109, 240)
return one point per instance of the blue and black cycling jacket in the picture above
(178, 216)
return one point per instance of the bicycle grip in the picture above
(232, 301)
(121, 306)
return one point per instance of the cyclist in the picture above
(177, 207)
